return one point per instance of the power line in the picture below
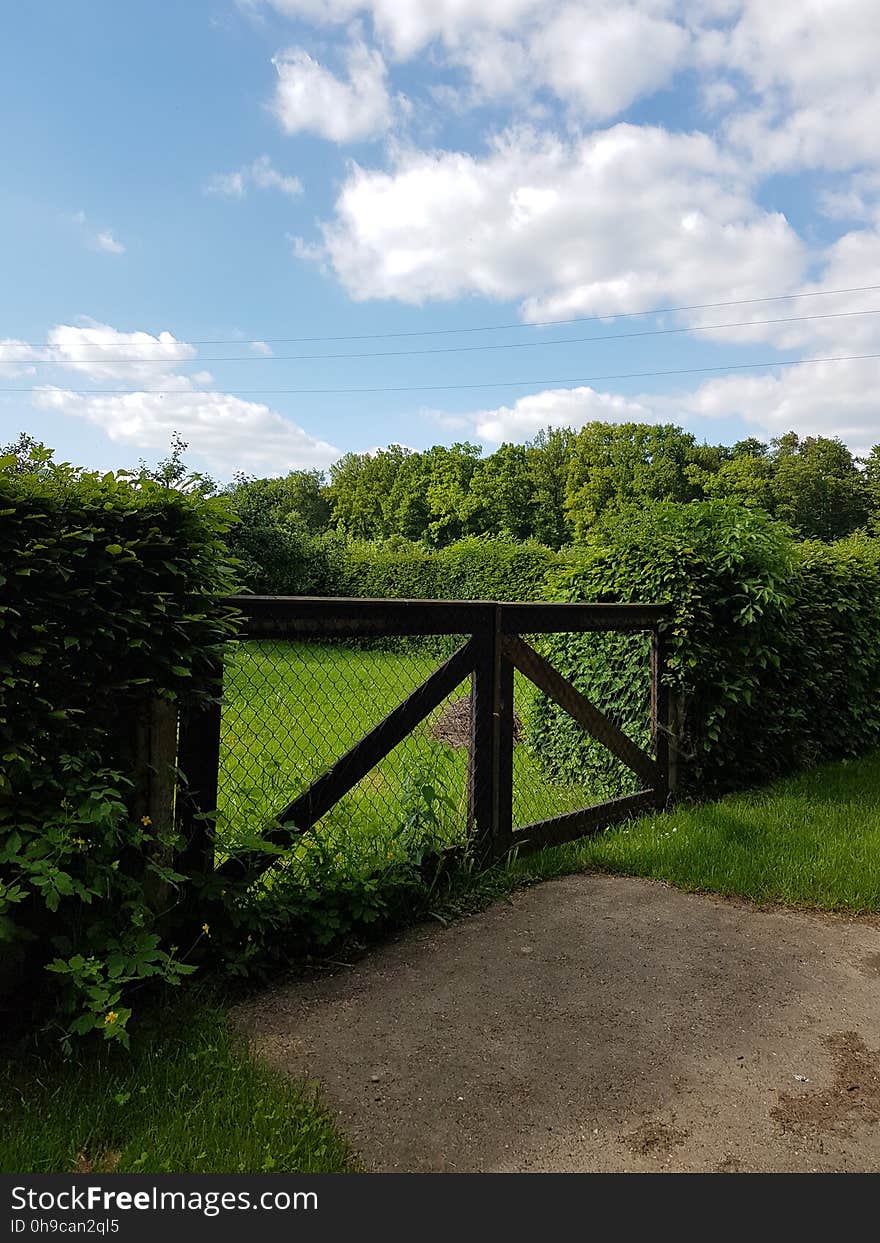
(449, 349)
(547, 323)
(436, 388)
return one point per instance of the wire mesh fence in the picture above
(292, 708)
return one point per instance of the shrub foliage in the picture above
(774, 646)
(110, 595)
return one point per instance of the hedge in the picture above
(282, 558)
(470, 569)
(110, 597)
(774, 646)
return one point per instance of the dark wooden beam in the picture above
(349, 769)
(198, 761)
(549, 680)
(589, 820)
(557, 618)
(328, 617)
(490, 773)
(318, 617)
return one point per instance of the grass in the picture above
(190, 1100)
(291, 709)
(812, 840)
(187, 1100)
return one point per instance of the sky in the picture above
(289, 229)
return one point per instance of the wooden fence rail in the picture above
(493, 649)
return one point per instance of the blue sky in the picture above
(248, 172)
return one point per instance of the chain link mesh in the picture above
(557, 766)
(291, 709)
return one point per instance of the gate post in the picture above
(198, 762)
(490, 771)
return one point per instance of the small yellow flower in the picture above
(79, 841)
(206, 928)
(146, 821)
(110, 1018)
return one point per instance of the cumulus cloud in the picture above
(108, 243)
(261, 173)
(561, 407)
(310, 97)
(15, 357)
(227, 185)
(813, 69)
(104, 353)
(591, 54)
(818, 399)
(227, 431)
(627, 218)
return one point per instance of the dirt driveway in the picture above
(598, 1023)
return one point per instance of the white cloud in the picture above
(590, 53)
(625, 219)
(562, 407)
(260, 173)
(103, 353)
(260, 347)
(813, 68)
(407, 26)
(227, 431)
(106, 242)
(15, 356)
(265, 177)
(596, 56)
(310, 97)
(227, 185)
(818, 399)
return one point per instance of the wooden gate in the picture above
(493, 649)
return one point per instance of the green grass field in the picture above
(291, 709)
(186, 1100)
(812, 840)
(189, 1099)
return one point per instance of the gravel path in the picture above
(598, 1023)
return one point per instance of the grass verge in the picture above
(187, 1100)
(190, 1100)
(812, 840)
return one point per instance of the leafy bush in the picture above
(470, 569)
(111, 587)
(774, 647)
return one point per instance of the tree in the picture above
(31, 456)
(549, 460)
(872, 487)
(614, 465)
(817, 486)
(173, 472)
(500, 495)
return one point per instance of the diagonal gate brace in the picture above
(552, 683)
(348, 770)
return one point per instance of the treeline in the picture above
(554, 488)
